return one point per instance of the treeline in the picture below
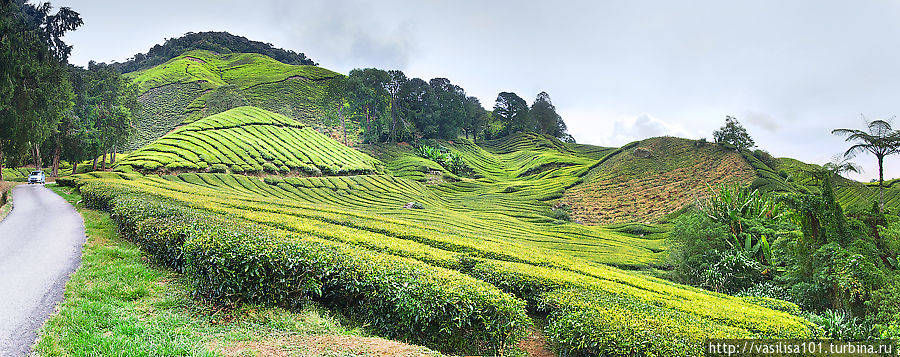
(50, 110)
(391, 107)
(220, 42)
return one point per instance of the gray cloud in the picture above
(641, 127)
(762, 120)
(345, 34)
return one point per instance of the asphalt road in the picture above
(40, 246)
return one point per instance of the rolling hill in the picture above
(201, 83)
(249, 140)
(645, 181)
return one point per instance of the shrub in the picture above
(560, 214)
(284, 169)
(270, 167)
(151, 166)
(218, 168)
(237, 169)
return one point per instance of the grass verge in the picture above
(6, 198)
(117, 303)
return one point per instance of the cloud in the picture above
(643, 126)
(343, 34)
(762, 120)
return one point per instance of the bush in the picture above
(560, 214)
(218, 168)
(270, 167)
(151, 166)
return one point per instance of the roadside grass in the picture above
(118, 303)
(6, 198)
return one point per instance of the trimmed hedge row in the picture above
(232, 259)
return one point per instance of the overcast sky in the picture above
(617, 71)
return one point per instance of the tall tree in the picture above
(544, 114)
(547, 120)
(476, 118)
(34, 88)
(512, 111)
(115, 101)
(880, 140)
(375, 101)
(733, 133)
(393, 86)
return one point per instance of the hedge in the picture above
(234, 260)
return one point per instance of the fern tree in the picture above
(880, 140)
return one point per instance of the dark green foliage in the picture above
(704, 257)
(220, 42)
(512, 112)
(734, 134)
(748, 215)
(546, 119)
(35, 91)
(837, 262)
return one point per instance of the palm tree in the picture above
(880, 141)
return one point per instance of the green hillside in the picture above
(200, 83)
(646, 180)
(249, 140)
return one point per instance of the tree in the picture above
(880, 140)
(512, 111)
(394, 86)
(34, 89)
(476, 118)
(375, 101)
(547, 121)
(733, 133)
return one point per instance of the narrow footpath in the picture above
(40, 246)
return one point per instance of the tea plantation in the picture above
(201, 83)
(249, 140)
(256, 207)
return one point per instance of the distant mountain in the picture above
(219, 42)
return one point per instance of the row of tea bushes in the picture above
(231, 259)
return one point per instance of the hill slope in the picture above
(200, 83)
(252, 140)
(646, 180)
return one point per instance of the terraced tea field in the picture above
(629, 187)
(251, 140)
(503, 263)
(201, 83)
